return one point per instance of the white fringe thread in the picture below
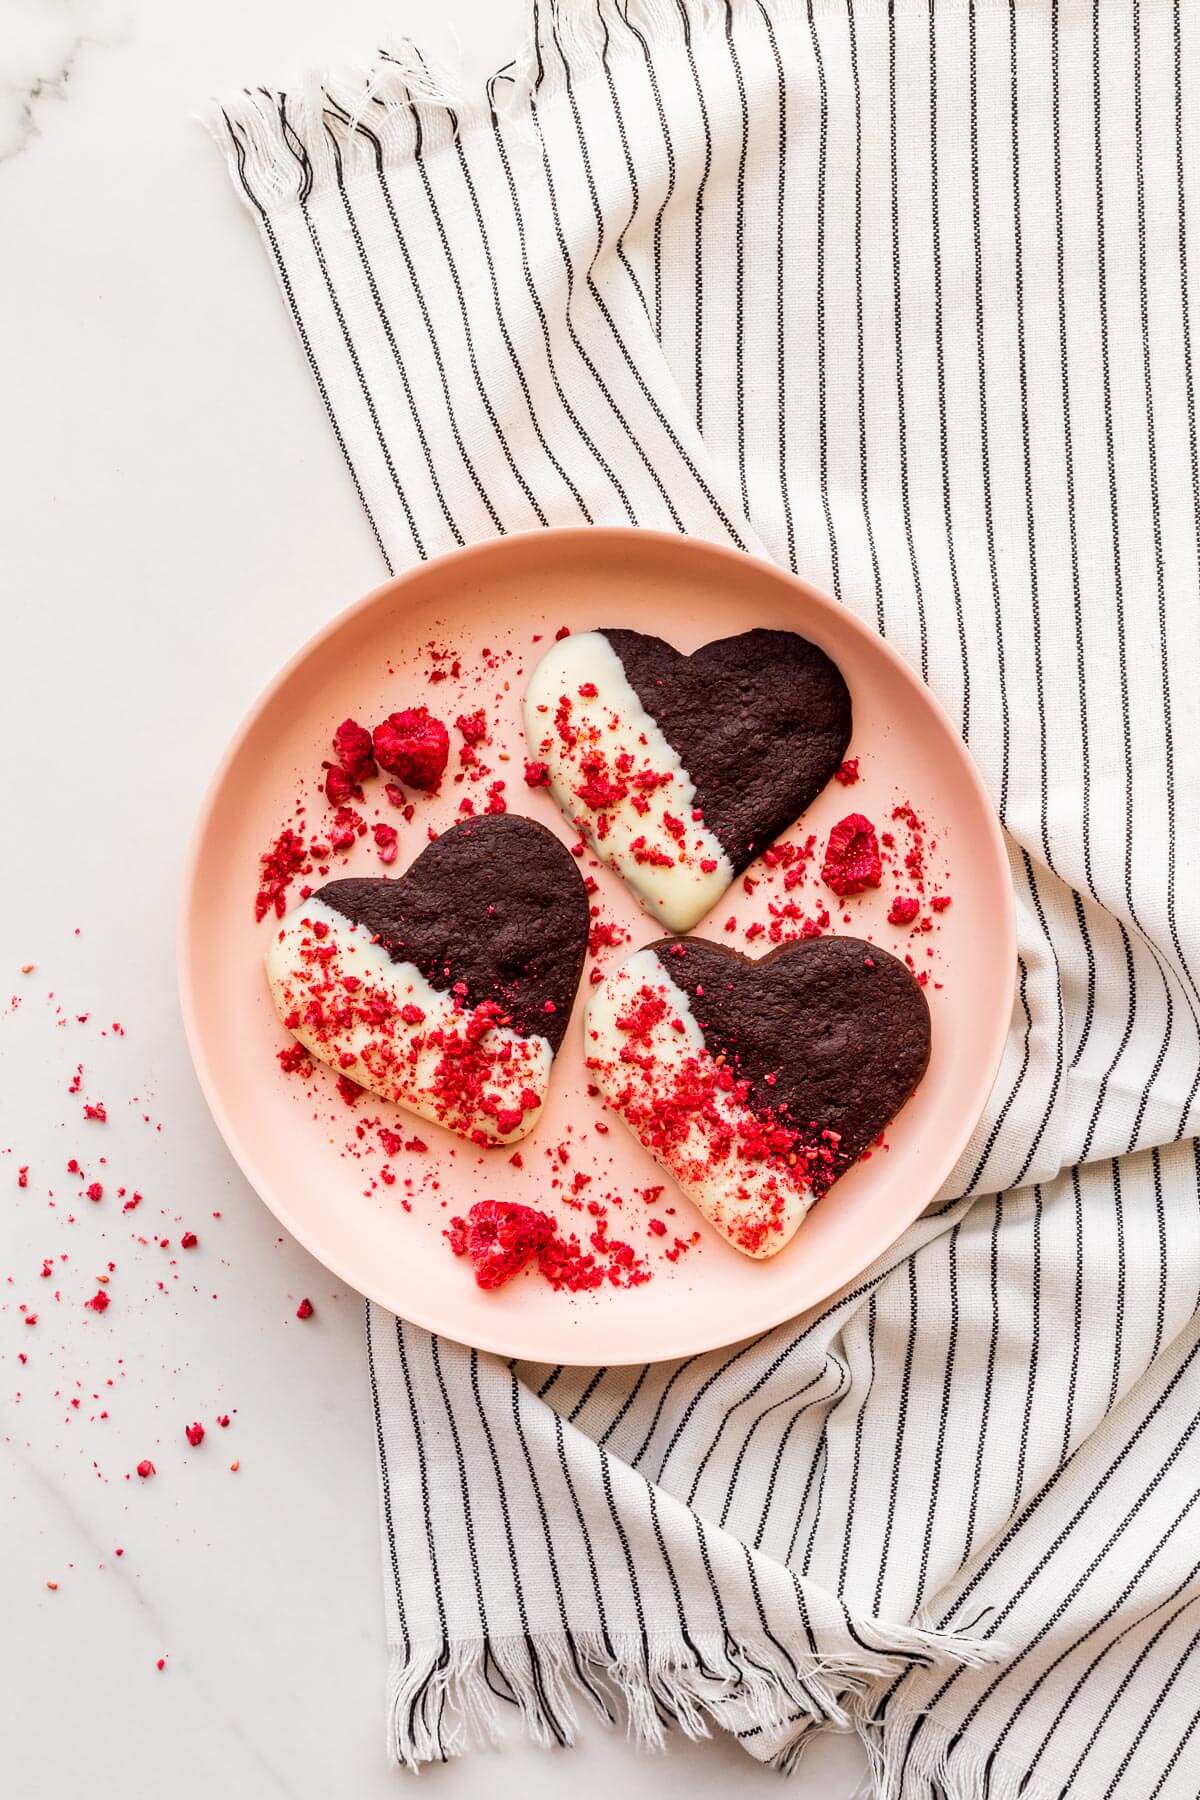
(443, 1698)
(912, 1757)
(285, 146)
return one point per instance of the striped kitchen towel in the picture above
(898, 293)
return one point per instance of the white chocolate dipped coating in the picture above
(342, 997)
(649, 1060)
(675, 865)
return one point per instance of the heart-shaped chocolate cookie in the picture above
(756, 1084)
(449, 990)
(678, 769)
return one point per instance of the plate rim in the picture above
(511, 1342)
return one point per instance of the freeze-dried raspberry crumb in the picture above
(537, 774)
(98, 1112)
(23, 1175)
(95, 1191)
(599, 792)
(222, 1420)
(852, 861)
(388, 842)
(305, 1309)
(473, 726)
(194, 1433)
(347, 825)
(132, 1204)
(903, 910)
(31, 1318)
(349, 1090)
(352, 746)
(279, 864)
(415, 746)
(188, 1241)
(848, 773)
(940, 902)
(146, 1468)
(338, 786)
(293, 1061)
(564, 631)
(98, 1302)
(161, 1663)
(708, 864)
(500, 1237)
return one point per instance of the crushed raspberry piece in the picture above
(473, 726)
(293, 1061)
(709, 865)
(305, 1309)
(415, 746)
(848, 773)
(146, 1469)
(354, 751)
(852, 861)
(500, 1237)
(223, 1420)
(940, 902)
(188, 1241)
(605, 936)
(388, 842)
(23, 1176)
(642, 852)
(537, 774)
(279, 865)
(903, 910)
(599, 792)
(347, 825)
(349, 1090)
(98, 1112)
(564, 631)
(194, 1433)
(98, 1302)
(338, 786)
(95, 1191)
(412, 1015)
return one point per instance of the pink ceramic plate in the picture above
(295, 1142)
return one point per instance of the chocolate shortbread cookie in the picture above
(447, 991)
(757, 1083)
(681, 769)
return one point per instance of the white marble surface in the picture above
(174, 520)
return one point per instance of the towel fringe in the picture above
(912, 1757)
(285, 146)
(443, 1698)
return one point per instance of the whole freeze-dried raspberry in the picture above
(500, 1237)
(414, 746)
(852, 861)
